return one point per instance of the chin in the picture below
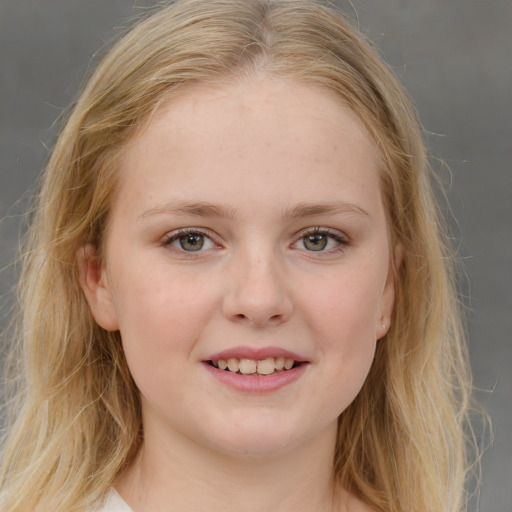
(258, 441)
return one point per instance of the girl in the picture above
(236, 291)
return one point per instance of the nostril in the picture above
(241, 316)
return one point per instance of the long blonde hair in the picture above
(401, 445)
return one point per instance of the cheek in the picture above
(161, 318)
(343, 316)
(161, 311)
(347, 303)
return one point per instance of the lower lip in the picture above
(257, 383)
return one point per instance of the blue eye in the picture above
(189, 241)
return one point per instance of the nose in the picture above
(258, 293)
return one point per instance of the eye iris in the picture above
(316, 242)
(192, 242)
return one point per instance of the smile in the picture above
(267, 366)
(256, 370)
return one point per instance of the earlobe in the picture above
(388, 296)
(96, 288)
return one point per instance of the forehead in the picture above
(256, 134)
(258, 101)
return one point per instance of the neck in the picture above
(176, 471)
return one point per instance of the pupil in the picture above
(315, 242)
(192, 242)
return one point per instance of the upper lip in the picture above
(257, 354)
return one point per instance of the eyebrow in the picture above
(330, 208)
(190, 208)
(204, 209)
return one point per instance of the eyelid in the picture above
(339, 236)
(322, 230)
(343, 240)
(174, 235)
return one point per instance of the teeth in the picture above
(266, 366)
(233, 364)
(247, 366)
(251, 366)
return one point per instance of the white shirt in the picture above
(114, 503)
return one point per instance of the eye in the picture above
(315, 242)
(189, 240)
(321, 240)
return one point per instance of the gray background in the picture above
(453, 56)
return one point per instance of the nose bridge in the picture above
(258, 291)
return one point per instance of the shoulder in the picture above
(113, 503)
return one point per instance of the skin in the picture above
(258, 151)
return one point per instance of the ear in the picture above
(388, 295)
(96, 288)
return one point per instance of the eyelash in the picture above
(342, 241)
(169, 239)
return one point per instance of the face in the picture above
(249, 233)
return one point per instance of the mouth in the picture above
(256, 371)
(263, 367)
